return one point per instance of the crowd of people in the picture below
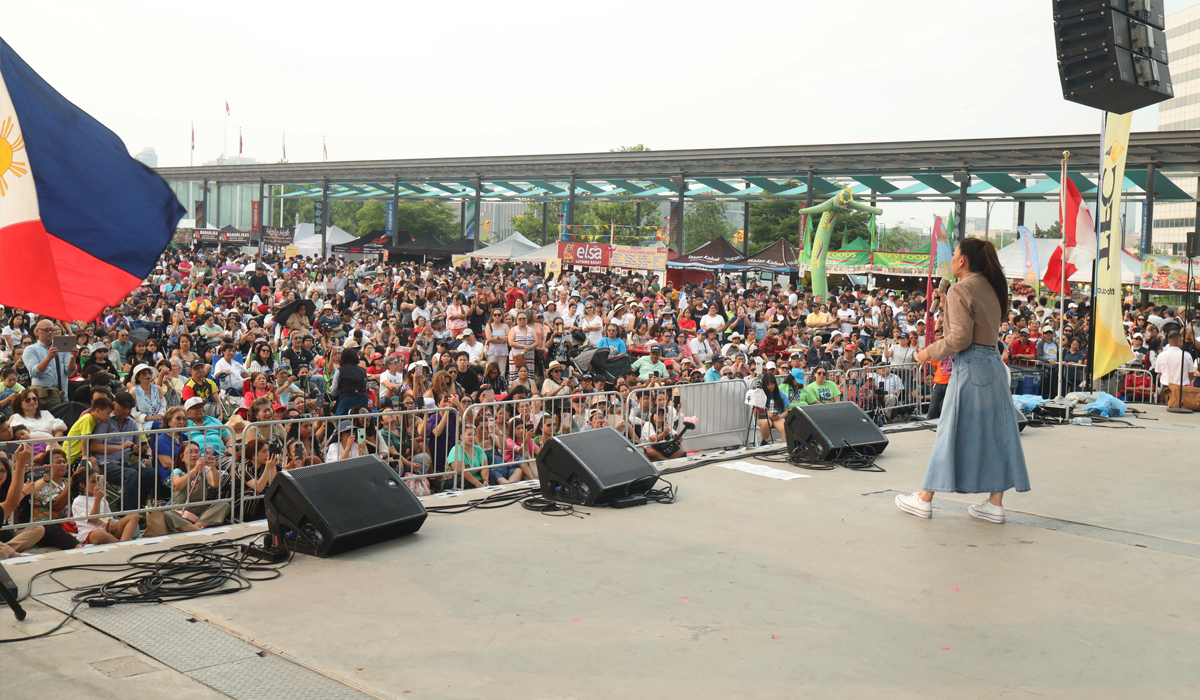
(224, 369)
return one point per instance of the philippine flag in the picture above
(81, 222)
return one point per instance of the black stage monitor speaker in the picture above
(593, 468)
(331, 508)
(1112, 54)
(827, 431)
(1192, 245)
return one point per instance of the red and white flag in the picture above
(193, 137)
(227, 108)
(239, 141)
(1079, 238)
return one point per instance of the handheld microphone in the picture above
(942, 287)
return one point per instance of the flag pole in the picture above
(1064, 286)
(1093, 317)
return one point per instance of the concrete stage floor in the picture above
(746, 587)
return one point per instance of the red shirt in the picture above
(1022, 347)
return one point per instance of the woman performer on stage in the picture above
(978, 446)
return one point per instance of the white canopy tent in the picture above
(1012, 259)
(541, 255)
(511, 247)
(309, 243)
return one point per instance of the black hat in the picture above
(125, 399)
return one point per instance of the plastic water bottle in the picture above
(1081, 420)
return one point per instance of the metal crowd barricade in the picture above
(413, 442)
(867, 387)
(1131, 385)
(508, 447)
(720, 408)
(132, 479)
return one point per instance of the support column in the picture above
(323, 223)
(217, 218)
(1148, 210)
(1148, 217)
(1021, 207)
(204, 198)
(679, 226)
(462, 218)
(745, 236)
(571, 204)
(262, 212)
(545, 222)
(637, 217)
(395, 211)
(961, 233)
(478, 184)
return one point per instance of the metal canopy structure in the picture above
(1014, 169)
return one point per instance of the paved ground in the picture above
(746, 587)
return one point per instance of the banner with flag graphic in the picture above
(1078, 247)
(75, 209)
(1032, 265)
(1112, 347)
(944, 251)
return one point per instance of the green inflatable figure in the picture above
(829, 210)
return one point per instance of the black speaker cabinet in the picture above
(331, 508)
(1112, 54)
(593, 468)
(828, 431)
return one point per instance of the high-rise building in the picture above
(148, 157)
(1173, 220)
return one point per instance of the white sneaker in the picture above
(912, 503)
(987, 511)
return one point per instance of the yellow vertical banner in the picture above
(1112, 346)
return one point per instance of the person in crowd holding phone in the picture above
(49, 369)
(98, 528)
(772, 412)
(651, 365)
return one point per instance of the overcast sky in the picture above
(406, 79)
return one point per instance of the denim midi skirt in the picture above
(978, 445)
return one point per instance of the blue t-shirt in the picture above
(616, 344)
(165, 445)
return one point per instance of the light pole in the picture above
(987, 220)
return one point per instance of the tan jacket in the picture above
(971, 315)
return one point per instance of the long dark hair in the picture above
(981, 257)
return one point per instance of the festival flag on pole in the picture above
(950, 227)
(239, 142)
(871, 228)
(1112, 347)
(935, 233)
(81, 222)
(227, 108)
(943, 250)
(285, 145)
(1079, 239)
(1032, 262)
(324, 150)
(193, 137)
